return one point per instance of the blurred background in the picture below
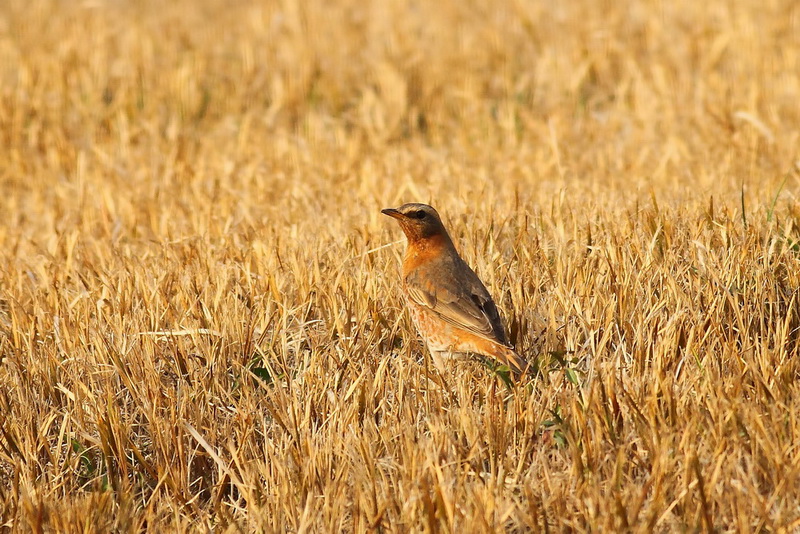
(142, 109)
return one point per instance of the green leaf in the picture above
(504, 373)
(263, 374)
(771, 210)
(83, 454)
(572, 376)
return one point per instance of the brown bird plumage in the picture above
(450, 306)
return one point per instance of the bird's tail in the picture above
(518, 365)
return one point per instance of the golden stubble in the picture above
(201, 324)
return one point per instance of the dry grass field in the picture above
(201, 323)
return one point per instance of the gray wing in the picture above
(458, 297)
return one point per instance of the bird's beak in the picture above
(392, 213)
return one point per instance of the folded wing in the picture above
(465, 304)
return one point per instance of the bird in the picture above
(451, 308)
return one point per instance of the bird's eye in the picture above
(417, 214)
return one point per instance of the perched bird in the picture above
(451, 308)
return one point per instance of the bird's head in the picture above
(418, 221)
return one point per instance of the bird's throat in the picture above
(421, 250)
